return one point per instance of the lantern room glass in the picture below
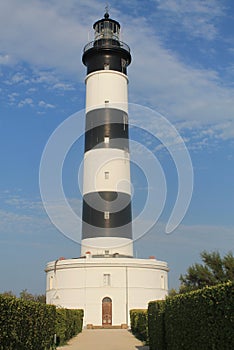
(106, 30)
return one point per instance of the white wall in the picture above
(106, 86)
(99, 245)
(78, 283)
(113, 161)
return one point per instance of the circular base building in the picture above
(106, 287)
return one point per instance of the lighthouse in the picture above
(106, 280)
(107, 186)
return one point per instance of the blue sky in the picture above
(182, 67)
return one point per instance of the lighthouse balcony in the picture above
(108, 44)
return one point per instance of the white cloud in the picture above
(13, 97)
(25, 102)
(160, 79)
(225, 130)
(24, 216)
(31, 90)
(179, 89)
(43, 33)
(17, 202)
(19, 78)
(43, 104)
(196, 17)
(51, 35)
(14, 223)
(63, 87)
(44, 77)
(6, 59)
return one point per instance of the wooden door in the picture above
(107, 312)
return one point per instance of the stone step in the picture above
(122, 326)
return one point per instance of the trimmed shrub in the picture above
(25, 325)
(32, 325)
(156, 326)
(199, 320)
(68, 324)
(139, 324)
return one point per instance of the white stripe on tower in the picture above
(107, 216)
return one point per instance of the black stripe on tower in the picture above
(106, 123)
(97, 223)
(112, 57)
(94, 232)
(114, 213)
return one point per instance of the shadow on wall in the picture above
(142, 347)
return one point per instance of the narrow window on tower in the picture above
(106, 215)
(101, 28)
(123, 63)
(107, 175)
(124, 121)
(106, 279)
(106, 139)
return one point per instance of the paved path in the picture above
(104, 339)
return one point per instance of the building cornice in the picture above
(106, 262)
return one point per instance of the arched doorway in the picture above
(106, 311)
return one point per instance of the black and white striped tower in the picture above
(107, 216)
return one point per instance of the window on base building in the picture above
(51, 282)
(106, 279)
(162, 282)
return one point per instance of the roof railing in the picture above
(108, 43)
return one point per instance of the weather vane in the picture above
(107, 8)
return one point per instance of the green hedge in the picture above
(28, 325)
(139, 324)
(156, 327)
(68, 324)
(25, 325)
(199, 320)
